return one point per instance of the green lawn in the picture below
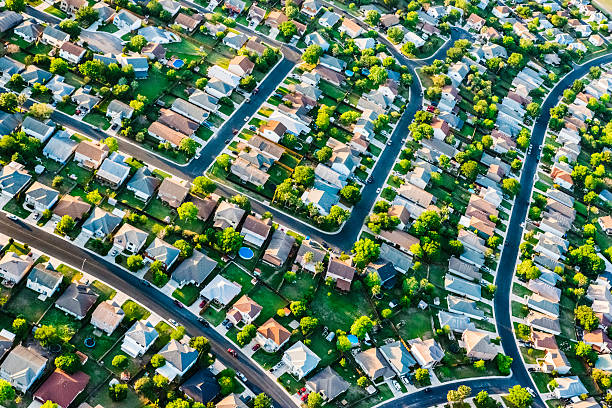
(413, 323)
(337, 310)
(133, 365)
(290, 383)
(66, 326)
(187, 294)
(19, 249)
(154, 85)
(234, 273)
(104, 291)
(70, 274)
(133, 311)
(269, 300)
(102, 398)
(267, 360)
(26, 304)
(158, 210)
(16, 208)
(103, 342)
(449, 373)
(97, 119)
(56, 12)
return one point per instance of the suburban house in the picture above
(117, 111)
(340, 272)
(37, 129)
(161, 251)
(173, 192)
(178, 122)
(279, 248)
(374, 365)
(228, 215)
(72, 52)
(62, 388)
(129, 239)
(180, 357)
(101, 223)
(201, 387)
(107, 316)
(73, 206)
(76, 300)
(165, 133)
(124, 20)
(60, 147)
(29, 31)
(300, 360)
(143, 184)
(272, 335)
(478, 345)
(22, 367)
(194, 270)
(14, 267)
(187, 23)
(71, 6)
(272, 130)
(40, 197)
(241, 65)
(221, 290)
(427, 353)
(569, 387)
(54, 37)
(256, 230)
(90, 154)
(44, 280)
(139, 338)
(244, 310)
(554, 360)
(305, 261)
(13, 179)
(328, 383)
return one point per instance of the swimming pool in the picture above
(177, 63)
(246, 253)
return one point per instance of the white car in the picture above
(378, 190)
(397, 386)
(241, 376)
(11, 217)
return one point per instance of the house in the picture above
(235, 6)
(139, 338)
(228, 215)
(76, 300)
(351, 28)
(400, 260)
(85, 101)
(117, 111)
(124, 20)
(72, 52)
(245, 311)
(463, 269)
(256, 230)
(54, 37)
(113, 172)
(474, 22)
(221, 290)
(173, 192)
(272, 335)
(161, 251)
(599, 340)
(462, 287)
(501, 11)
(44, 280)
(542, 322)
(276, 18)
(543, 341)
(568, 387)
(182, 107)
(605, 223)
(341, 273)
(332, 63)
(201, 387)
(455, 322)
(60, 147)
(105, 12)
(256, 15)
(14, 267)
(143, 184)
(139, 63)
(329, 75)
(398, 357)
(389, 20)
(29, 31)
(107, 316)
(33, 75)
(318, 255)
(427, 353)
(272, 130)
(554, 360)
(22, 367)
(311, 7)
(13, 179)
(255, 47)
(329, 19)
(315, 38)
(101, 223)
(206, 206)
(235, 40)
(129, 239)
(279, 248)
(374, 365)
(75, 207)
(327, 383)
(241, 65)
(385, 271)
(9, 67)
(171, 6)
(9, 19)
(194, 270)
(154, 51)
(62, 388)
(231, 401)
(322, 200)
(59, 89)
(164, 133)
(40, 197)
(156, 34)
(300, 360)
(90, 154)
(204, 100)
(180, 357)
(7, 339)
(478, 345)
(71, 6)
(440, 128)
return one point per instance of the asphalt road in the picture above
(148, 297)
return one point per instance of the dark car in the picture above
(178, 304)
(204, 322)
(256, 347)
(427, 389)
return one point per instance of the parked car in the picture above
(178, 304)
(232, 352)
(396, 386)
(11, 217)
(241, 376)
(256, 347)
(173, 322)
(223, 323)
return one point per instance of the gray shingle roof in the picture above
(195, 268)
(77, 299)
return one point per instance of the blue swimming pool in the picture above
(246, 253)
(177, 63)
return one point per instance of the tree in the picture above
(229, 240)
(135, 262)
(533, 109)
(503, 363)
(71, 27)
(324, 154)
(365, 251)
(185, 248)
(226, 384)
(361, 326)
(515, 59)
(15, 5)
(7, 392)
(395, 34)
(112, 144)
(287, 29)
(363, 381)
(158, 361)
(8, 102)
(49, 404)
(528, 270)
(297, 307)
(120, 361)
(349, 117)
(41, 111)
(315, 400)
(58, 66)
(248, 83)
(372, 17)
(262, 401)
(421, 375)
(118, 392)
(511, 186)
(203, 185)
(224, 161)
(178, 333)
(378, 75)
(86, 15)
(343, 344)
(19, 326)
(479, 365)
(144, 386)
(586, 317)
(187, 211)
(68, 363)
(519, 397)
(312, 53)
(304, 175)
(65, 225)
(351, 194)
(46, 335)
(137, 43)
(483, 400)
(160, 381)
(200, 343)
(470, 170)
(94, 196)
(308, 324)
(189, 146)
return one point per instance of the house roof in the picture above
(463, 305)
(162, 251)
(243, 62)
(45, 276)
(427, 351)
(206, 206)
(416, 195)
(228, 213)
(180, 355)
(399, 259)
(274, 126)
(279, 248)
(568, 387)
(178, 122)
(328, 382)
(42, 194)
(142, 333)
(13, 178)
(22, 365)
(231, 401)
(221, 289)
(130, 234)
(478, 342)
(256, 226)
(108, 312)
(398, 356)
(94, 151)
(72, 49)
(202, 386)
(77, 299)
(186, 21)
(9, 19)
(144, 181)
(401, 238)
(274, 331)
(373, 362)
(196, 268)
(15, 265)
(247, 306)
(166, 133)
(72, 206)
(302, 357)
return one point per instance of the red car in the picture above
(302, 390)
(256, 347)
(202, 303)
(431, 108)
(232, 352)
(304, 397)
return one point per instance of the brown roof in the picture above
(274, 126)
(274, 331)
(265, 146)
(166, 133)
(389, 20)
(400, 212)
(154, 48)
(401, 238)
(186, 21)
(542, 340)
(75, 207)
(62, 388)
(243, 62)
(72, 49)
(276, 18)
(256, 226)
(341, 269)
(92, 150)
(173, 190)
(248, 306)
(255, 46)
(178, 122)
(205, 206)
(329, 74)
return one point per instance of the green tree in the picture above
(120, 361)
(41, 111)
(372, 17)
(304, 175)
(65, 225)
(58, 66)
(86, 15)
(312, 53)
(158, 361)
(19, 326)
(262, 401)
(229, 240)
(343, 344)
(118, 392)
(46, 335)
(363, 381)
(324, 154)
(15, 5)
(519, 397)
(511, 186)
(586, 317)
(188, 146)
(71, 27)
(111, 143)
(308, 324)
(365, 251)
(203, 185)
(94, 197)
(224, 161)
(185, 248)
(315, 400)
(68, 363)
(200, 343)
(187, 211)
(503, 363)
(135, 262)
(137, 43)
(7, 392)
(421, 375)
(287, 29)
(479, 365)
(395, 34)
(351, 194)
(361, 326)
